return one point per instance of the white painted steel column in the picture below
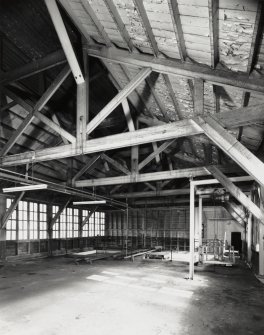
(191, 243)
(249, 234)
(200, 220)
(261, 235)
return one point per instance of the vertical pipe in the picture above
(191, 264)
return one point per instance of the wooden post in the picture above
(191, 243)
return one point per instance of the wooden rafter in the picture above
(89, 10)
(147, 26)
(119, 23)
(175, 15)
(213, 6)
(254, 49)
(159, 102)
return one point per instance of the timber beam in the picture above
(164, 132)
(121, 96)
(178, 68)
(65, 40)
(233, 148)
(148, 177)
(237, 193)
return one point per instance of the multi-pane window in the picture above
(29, 222)
(102, 224)
(75, 222)
(96, 223)
(91, 225)
(63, 224)
(11, 225)
(22, 220)
(56, 226)
(85, 228)
(33, 221)
(42, 221)
(69, 223)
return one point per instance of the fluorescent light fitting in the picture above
(25, 188)
(92, 202)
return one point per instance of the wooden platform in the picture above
(93, 255)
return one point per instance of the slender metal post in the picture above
(191, 264)
(200, 216)
(249, 234)
(126, 227)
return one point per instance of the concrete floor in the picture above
(55, 296)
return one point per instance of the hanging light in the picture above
(25, 188)
(90, 202)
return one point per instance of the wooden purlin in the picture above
(183, 69)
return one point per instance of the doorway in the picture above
(236, 241)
